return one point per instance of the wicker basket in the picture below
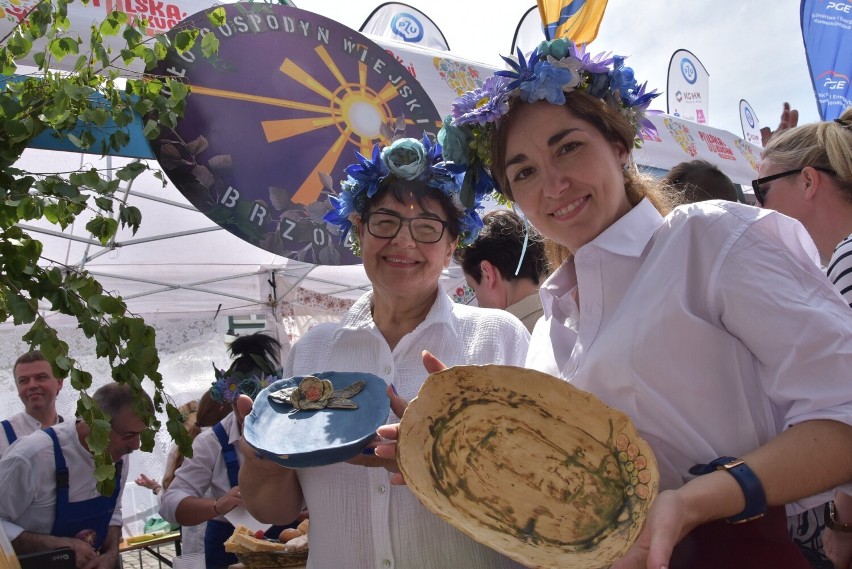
(270, 559)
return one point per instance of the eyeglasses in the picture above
(386, 225)
(127, 435)
(760, 193)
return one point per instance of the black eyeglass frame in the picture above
(402, 221)
(760, 194)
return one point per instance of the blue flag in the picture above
(827, 33)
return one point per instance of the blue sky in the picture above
(752, 49)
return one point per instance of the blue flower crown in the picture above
(230, 385)
(553, 69)
(407, 159)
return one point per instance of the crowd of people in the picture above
(723, 330)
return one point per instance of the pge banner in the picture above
(688, 83)
(827, 33)
(400, 22)
(750, 124)
(577, 20)
(284, 105)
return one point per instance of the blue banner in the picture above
(827, 33)
(137, 147)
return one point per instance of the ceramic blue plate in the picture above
(301, 439)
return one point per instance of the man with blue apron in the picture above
(49, 496)
(37, 388)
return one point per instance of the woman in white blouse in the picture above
(404, 209)
(709, 324)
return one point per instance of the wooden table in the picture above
(152, 547)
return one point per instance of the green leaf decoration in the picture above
(64, 105)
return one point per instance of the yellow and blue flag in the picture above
(577, 20)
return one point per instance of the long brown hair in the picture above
(615, 128)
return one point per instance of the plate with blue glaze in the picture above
(306, 438)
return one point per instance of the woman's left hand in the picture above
(665, 526)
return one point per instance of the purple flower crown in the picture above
(406, 159)
(229, 386)
(553, 69)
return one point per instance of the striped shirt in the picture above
(840, 269)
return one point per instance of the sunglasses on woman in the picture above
(760, 192)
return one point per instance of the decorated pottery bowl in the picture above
(527, 464)
(316, 420)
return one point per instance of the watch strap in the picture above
(749, 483)
(831, 521)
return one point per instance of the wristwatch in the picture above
(749, 483)
(831, 521)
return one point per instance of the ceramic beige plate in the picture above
(528, 465)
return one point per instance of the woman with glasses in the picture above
(806, 173)
(708, 324)
(405, 211)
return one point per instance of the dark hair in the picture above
(28, 358)
(113, 398)
(405, 190)
(613, 126)
(699, 180)
(254, 352)
(500, 242)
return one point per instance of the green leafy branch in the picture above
(96, 95)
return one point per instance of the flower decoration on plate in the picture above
(314, 393)
(553, 69)
(230, 385)
(407, 159)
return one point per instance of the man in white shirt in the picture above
(37, 388)
(50, 498)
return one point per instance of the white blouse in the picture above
(712, 328)
(358, 519)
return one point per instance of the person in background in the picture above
(806, 173)
(505, 266)
(741, 390)
(700, 180)
(41, 508)
(37, 389)
(404, 209)
(206, 486)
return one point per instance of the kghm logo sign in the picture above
(407, 27)
(687, 68)
(688, 96)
